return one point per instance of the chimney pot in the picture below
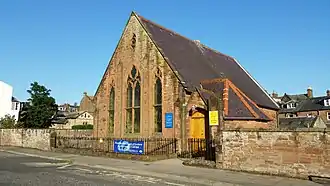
(328, 92)
(309, 92)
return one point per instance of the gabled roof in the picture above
(308, 104)
(236, 104)
(195, 62)
(294, 97)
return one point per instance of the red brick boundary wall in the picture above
(290, 153)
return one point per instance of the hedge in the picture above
(82, 126)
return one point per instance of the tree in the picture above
(40, 109)
(7, 122)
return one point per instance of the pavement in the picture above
(165, 172)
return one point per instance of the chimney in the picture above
(328, 92)
(274, 95)
(309, 92)
(85, 93)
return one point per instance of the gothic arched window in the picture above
(133, 102)
(112, 110)
(158, 103)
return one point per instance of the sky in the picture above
(66, 45)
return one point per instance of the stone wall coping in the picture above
(327, 130)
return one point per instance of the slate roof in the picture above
(309, 104)
(298, 97)
(236, 104)
(195, 62)
(61, 117)
(294, 123)
(316, 103)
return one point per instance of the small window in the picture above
(133, 41)
(327, 102)
(328, 115)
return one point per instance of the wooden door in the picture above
(197, 125)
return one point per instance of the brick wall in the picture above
(290, 153)
(27, 138)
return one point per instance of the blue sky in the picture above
(66, 45)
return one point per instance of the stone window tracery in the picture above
(133, 102)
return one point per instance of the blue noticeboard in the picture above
(168, 120)
(128, 147)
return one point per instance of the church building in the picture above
(157, 84)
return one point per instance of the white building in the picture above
(16, 107)
(6, 94)
(8, 104)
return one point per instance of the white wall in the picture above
(6, 93)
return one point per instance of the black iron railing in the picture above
(139, 146)
(197, 148)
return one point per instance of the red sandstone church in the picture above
(158, 82)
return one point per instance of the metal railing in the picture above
(138, 146)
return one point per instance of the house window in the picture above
(328, 115)
(291, 105)
(158, 105)
(112, 110)
(327, 102)
(133, 102)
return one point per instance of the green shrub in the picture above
(88, 126)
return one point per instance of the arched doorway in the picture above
(197, 124)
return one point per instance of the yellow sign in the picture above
(213, 118)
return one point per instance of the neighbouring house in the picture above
(301, 122)
(66, 107)
(9, 105)
(16, 107)
(157, 83)
(65, 120)
(305, 105)
(87, 104)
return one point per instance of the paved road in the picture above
(24, 170)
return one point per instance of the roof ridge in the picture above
(176, 33)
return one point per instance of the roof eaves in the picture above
(245, 118)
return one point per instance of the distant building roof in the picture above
(300, 122)
(13, 99)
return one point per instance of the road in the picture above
(25, 170)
